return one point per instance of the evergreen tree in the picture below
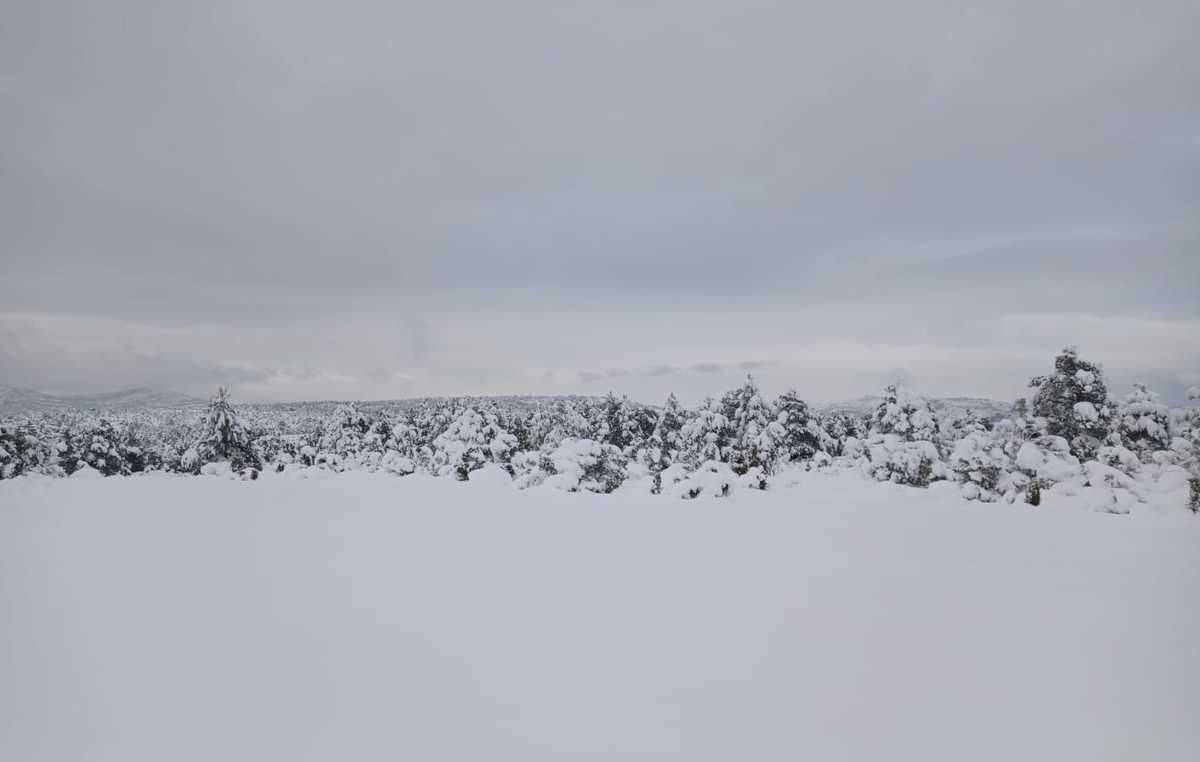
(754, 435)
(1074, 403)
(905, 415)
(1144, 423)
(803, 436)
(222, 438)
(705, 436)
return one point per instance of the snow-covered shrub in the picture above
(1114, 454)
(1144, 423)
(979, 461)
(891, 458)
(530, 468)
(1045, 462)
(905, 415)
(585, 464)
(840, 429)
(395, 462)
(1114, 490)
(712, 479)
(471, 440)
(23, 451)
(103, 448)
(903, 446)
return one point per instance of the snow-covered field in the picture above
(360, 616)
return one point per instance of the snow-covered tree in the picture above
(904, 443)
(755, 436)
(222, 438)
(23, 450)
(665, 444)
(705, 436)
(803, 435)
(584, 464)
(1187, 445)
(1074, 403)
(840, 428)
(1144, 423)
(906, 415)
(623, 424)
(472, 439)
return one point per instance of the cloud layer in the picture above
(378, 200)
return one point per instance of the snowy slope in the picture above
(15, 401)
(360, 616)
(951, 407)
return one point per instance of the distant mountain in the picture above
(952, 407)
(15, 400)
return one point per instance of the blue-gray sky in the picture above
(387, 199)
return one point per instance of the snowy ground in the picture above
(363, 617)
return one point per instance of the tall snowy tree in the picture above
(1188, 444)
(705, 436)
(755, 437)
(803, 436)
(1073, 400)
(222, 438)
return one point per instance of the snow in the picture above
(366, 616)
(1086, 411)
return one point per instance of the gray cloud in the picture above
(370, 199)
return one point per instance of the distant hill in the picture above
(15, 400)
(952, 407)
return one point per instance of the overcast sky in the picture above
(388, 199)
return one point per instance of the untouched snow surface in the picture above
(367, 617)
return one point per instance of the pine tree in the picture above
(1074, 403)
(1144, 423)
(803, 436)
(754, 435)
(222, 438)
(705, 436)
(904, 444)
(906, 415)
(1189, 445)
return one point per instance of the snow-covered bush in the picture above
(22, 450)
(1144, 423)
(982, 467)
(891, 458)
(903, 446)
(1045, 462)
(712, 479)
(472, 439)
(584, 464)
(905, 415)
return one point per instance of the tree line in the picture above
(1068, 430)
